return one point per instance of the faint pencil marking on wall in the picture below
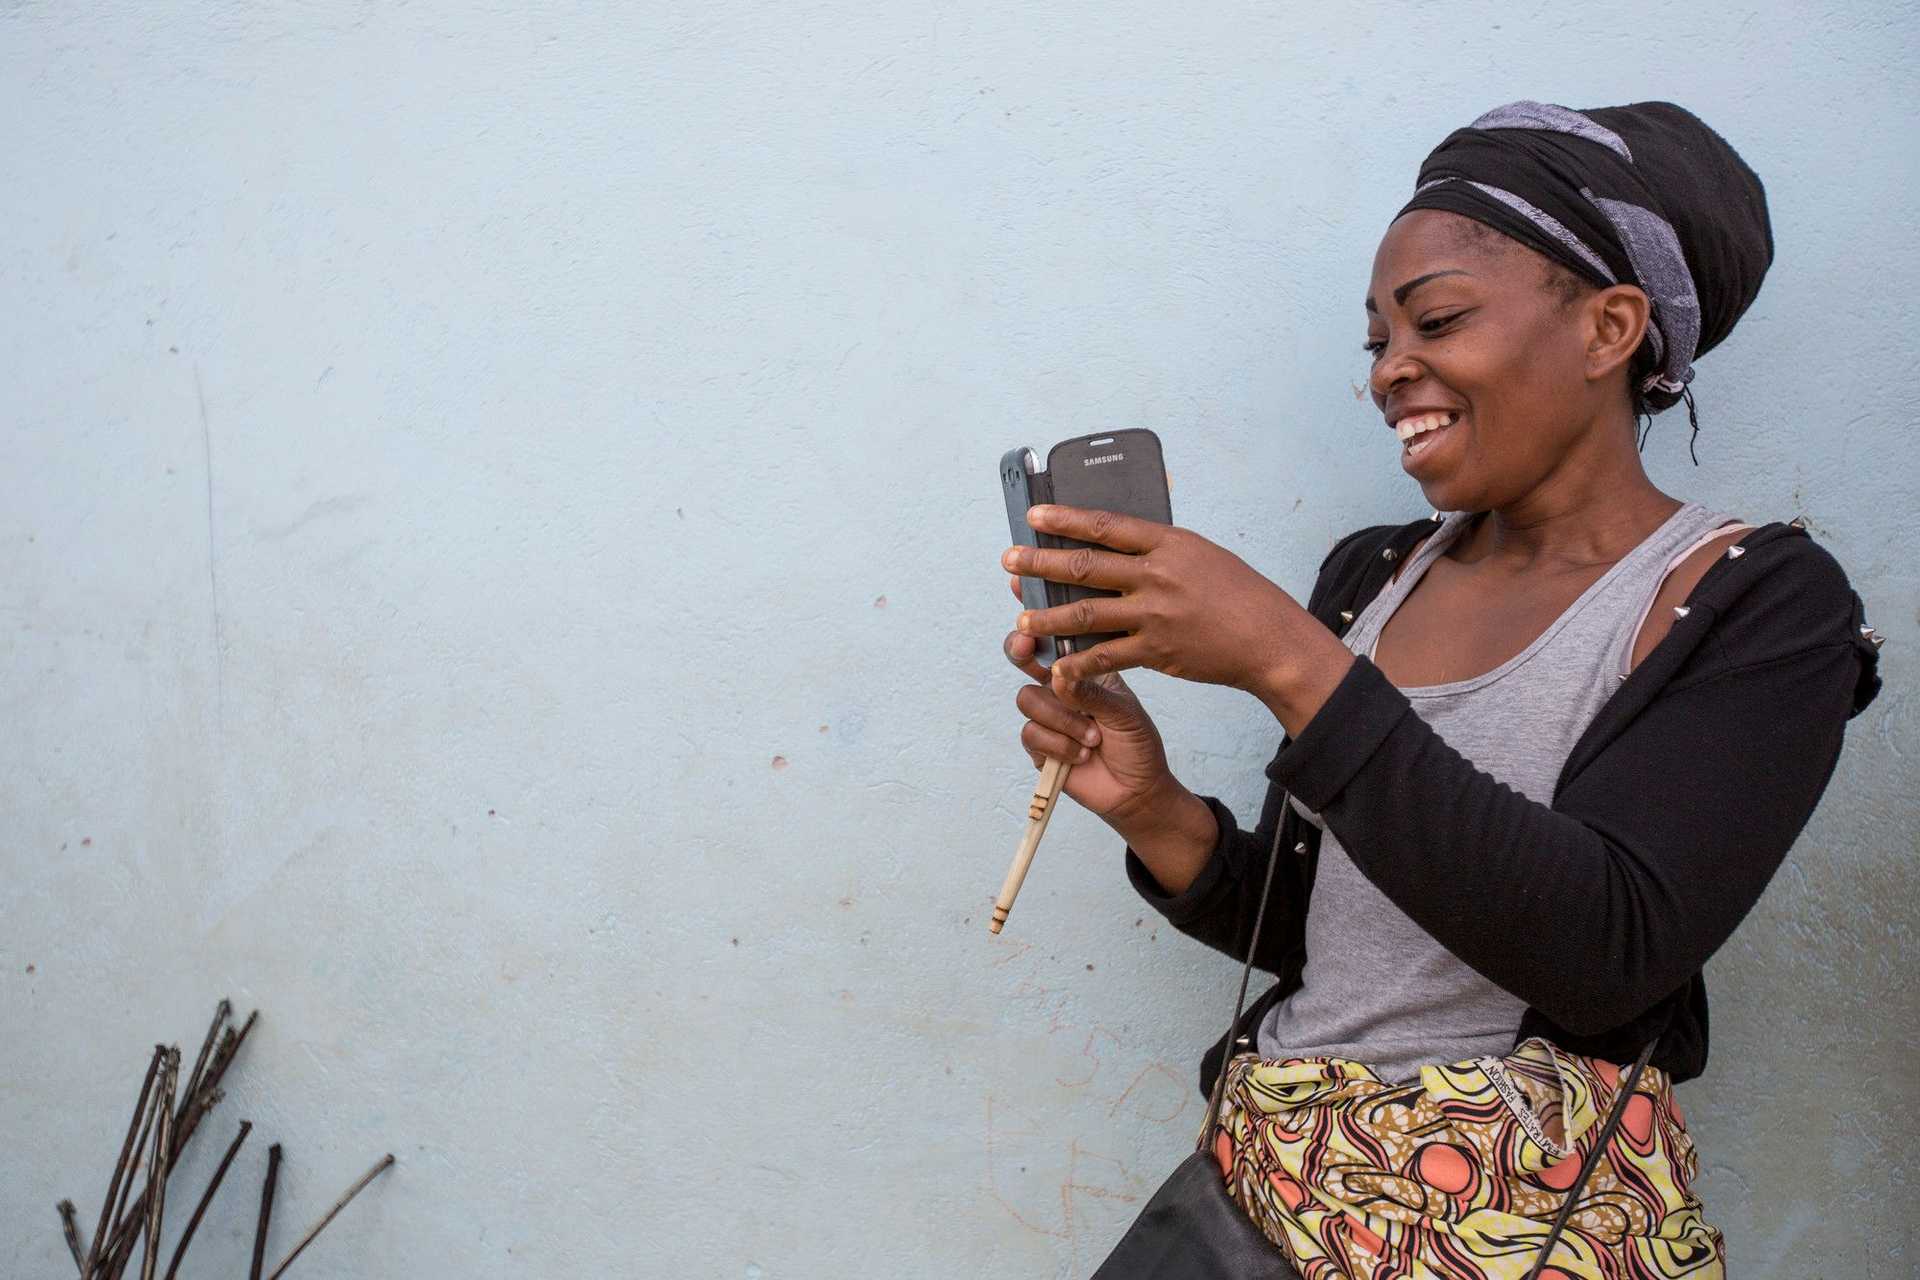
(1170, 1077)
(213, 571)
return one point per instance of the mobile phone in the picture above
(1017, 475)
(1112, 471)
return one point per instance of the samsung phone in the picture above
(1119, 471)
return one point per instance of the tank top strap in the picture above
(1693, 527)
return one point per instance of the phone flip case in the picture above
(1120, 471)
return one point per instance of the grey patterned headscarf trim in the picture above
(1646, 195)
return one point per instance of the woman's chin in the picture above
(1442, 495)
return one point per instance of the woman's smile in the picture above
(1423, 435)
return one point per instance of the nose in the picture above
(1393, 369)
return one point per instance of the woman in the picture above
(1541, 752)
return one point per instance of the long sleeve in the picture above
(1218, 908)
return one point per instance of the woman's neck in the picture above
(1589, 510)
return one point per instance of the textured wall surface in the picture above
(497, 569)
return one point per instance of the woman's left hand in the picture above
(1194, 609)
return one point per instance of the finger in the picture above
(1053, 745)
(1041, 706)
(1013, 580)
(1089, 664)
(1091, 524)
(1020, 652)
(1096, 613)
(1087, 566)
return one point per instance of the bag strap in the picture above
(1593, 1158)
(1218, 1095)
(1246, 972)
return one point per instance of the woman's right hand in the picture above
(1119, 763)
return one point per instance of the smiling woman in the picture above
(1540, 755)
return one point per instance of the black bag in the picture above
(1192, 1230)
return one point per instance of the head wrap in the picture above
(1646, 195)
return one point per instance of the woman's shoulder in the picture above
(1778, 591)
(1352, 549)
(1354, 553)
(1778, 565)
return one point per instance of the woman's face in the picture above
(1474, 351)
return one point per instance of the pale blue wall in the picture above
(450, 451)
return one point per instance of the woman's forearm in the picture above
(1174, 834)
(1309, 665)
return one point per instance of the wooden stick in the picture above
(266, 1210)
(126, 1152)
(70, 1227)
(206, 1198)
(380, 1166)
(127, 1222)
(1053, 776)
(221, 1012)
(127, 1231)
(229, 1048)
(161, 1165)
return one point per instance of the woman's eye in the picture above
(1374, 346)
(1433, 324)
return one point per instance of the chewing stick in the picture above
(1053, 776)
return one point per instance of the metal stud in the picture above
(1798, 522)
(1873, 638)
(1389, 554)
(1346, 615)
(1301, 847)
(1622, 677)
(1436, 515)
(1735, 552)
(1681, 611)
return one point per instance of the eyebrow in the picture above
(1400, 294)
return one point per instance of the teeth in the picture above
(1408, 428)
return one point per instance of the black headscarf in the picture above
(1644, 194)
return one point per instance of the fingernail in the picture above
(1090, 737)
(1010, 559)
(1022, 620)
(1084, 756)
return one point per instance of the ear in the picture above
(1616, 321)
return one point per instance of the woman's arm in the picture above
(1599, 906)
(1217, 905)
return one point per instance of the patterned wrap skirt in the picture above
(1458, 1176)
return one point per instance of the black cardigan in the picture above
(1669, 818)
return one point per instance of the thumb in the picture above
(1105, 697)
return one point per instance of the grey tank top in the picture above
(1377, 988)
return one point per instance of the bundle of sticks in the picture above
(164, 1121)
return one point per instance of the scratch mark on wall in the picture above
(213, 574)
(1168, 1076)
(1086, 1051)
(325, 507)
(994, 1134)
(1014, 948)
